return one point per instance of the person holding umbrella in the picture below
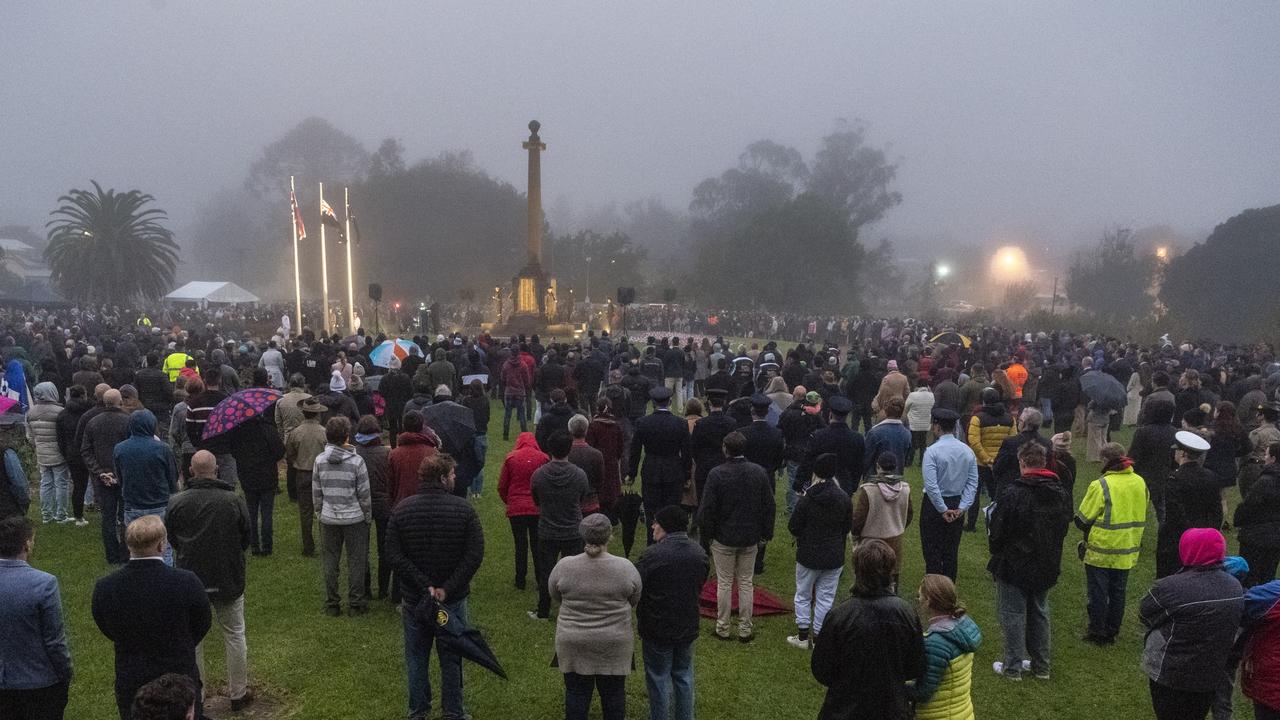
(435, 545)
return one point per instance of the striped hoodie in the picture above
(340, 487)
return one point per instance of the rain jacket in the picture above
(144, 466)
(198, 520)
(1114, 514)
(820, 522)
(1191, 619)
(340, 487)
(515, 480)
(1260, 668)
(411, 449)
(1026, 529)
(943, 692)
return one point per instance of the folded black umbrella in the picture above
(628, 509)
(451, 633)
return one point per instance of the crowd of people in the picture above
(693, 436)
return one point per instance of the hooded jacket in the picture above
(42, 425)
(144, 466)
(943, 692)
(1026, 529)
(340, 487)
(820, 522)
(558, 489)
(1260, 668)
(208, 525)
(1191, 619)
(515, 480)
(411, 449)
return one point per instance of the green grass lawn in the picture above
(322, 667)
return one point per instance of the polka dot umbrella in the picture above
(238, 409)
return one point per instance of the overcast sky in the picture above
(1018, 121)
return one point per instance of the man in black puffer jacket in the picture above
(436, 544)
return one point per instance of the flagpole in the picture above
(324, 266)
(297, 273)
(351, 298)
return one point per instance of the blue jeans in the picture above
(793, 466)
(55, 492)
(482, 449)
(518, 405)
(668, 674)
(1106, 600)
(417, 661)
(131, 514)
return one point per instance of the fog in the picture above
(1011, 122)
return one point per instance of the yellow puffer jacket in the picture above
(987, 430)
(944, 691)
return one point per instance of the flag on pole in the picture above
(297, 217)
(355, 230)
(330, 218)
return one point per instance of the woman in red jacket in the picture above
(515, 487)
(412, 447)
(1260, 668)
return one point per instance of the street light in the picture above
(943, 270)
(1162, 252)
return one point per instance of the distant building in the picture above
(28, 265)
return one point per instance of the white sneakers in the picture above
(795, 642)
(1026, 667)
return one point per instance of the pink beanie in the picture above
(1202, 546)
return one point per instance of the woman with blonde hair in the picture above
(949, 644)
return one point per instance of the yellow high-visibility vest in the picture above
(1115, 509)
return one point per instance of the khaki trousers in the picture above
(734, 564)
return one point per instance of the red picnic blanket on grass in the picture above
(764, 602)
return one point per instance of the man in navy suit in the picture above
(154, 614)
(663, 440)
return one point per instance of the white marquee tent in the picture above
(204, 292)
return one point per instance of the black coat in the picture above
(848, 447)
(1191, 500)
(737, 508)
(258, 450)
(672, 572)
(555, 417)
(1152, 453)
(797, 428)
(1258, 515)
(434, 539)
(1026, 531)
(868, 649)
(155, 615)
(208, 525)
(765, 446)
(1005, 466)
(663, 439)
(706, 445)
(822, 518)
(396, 388)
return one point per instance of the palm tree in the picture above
(105, 247)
